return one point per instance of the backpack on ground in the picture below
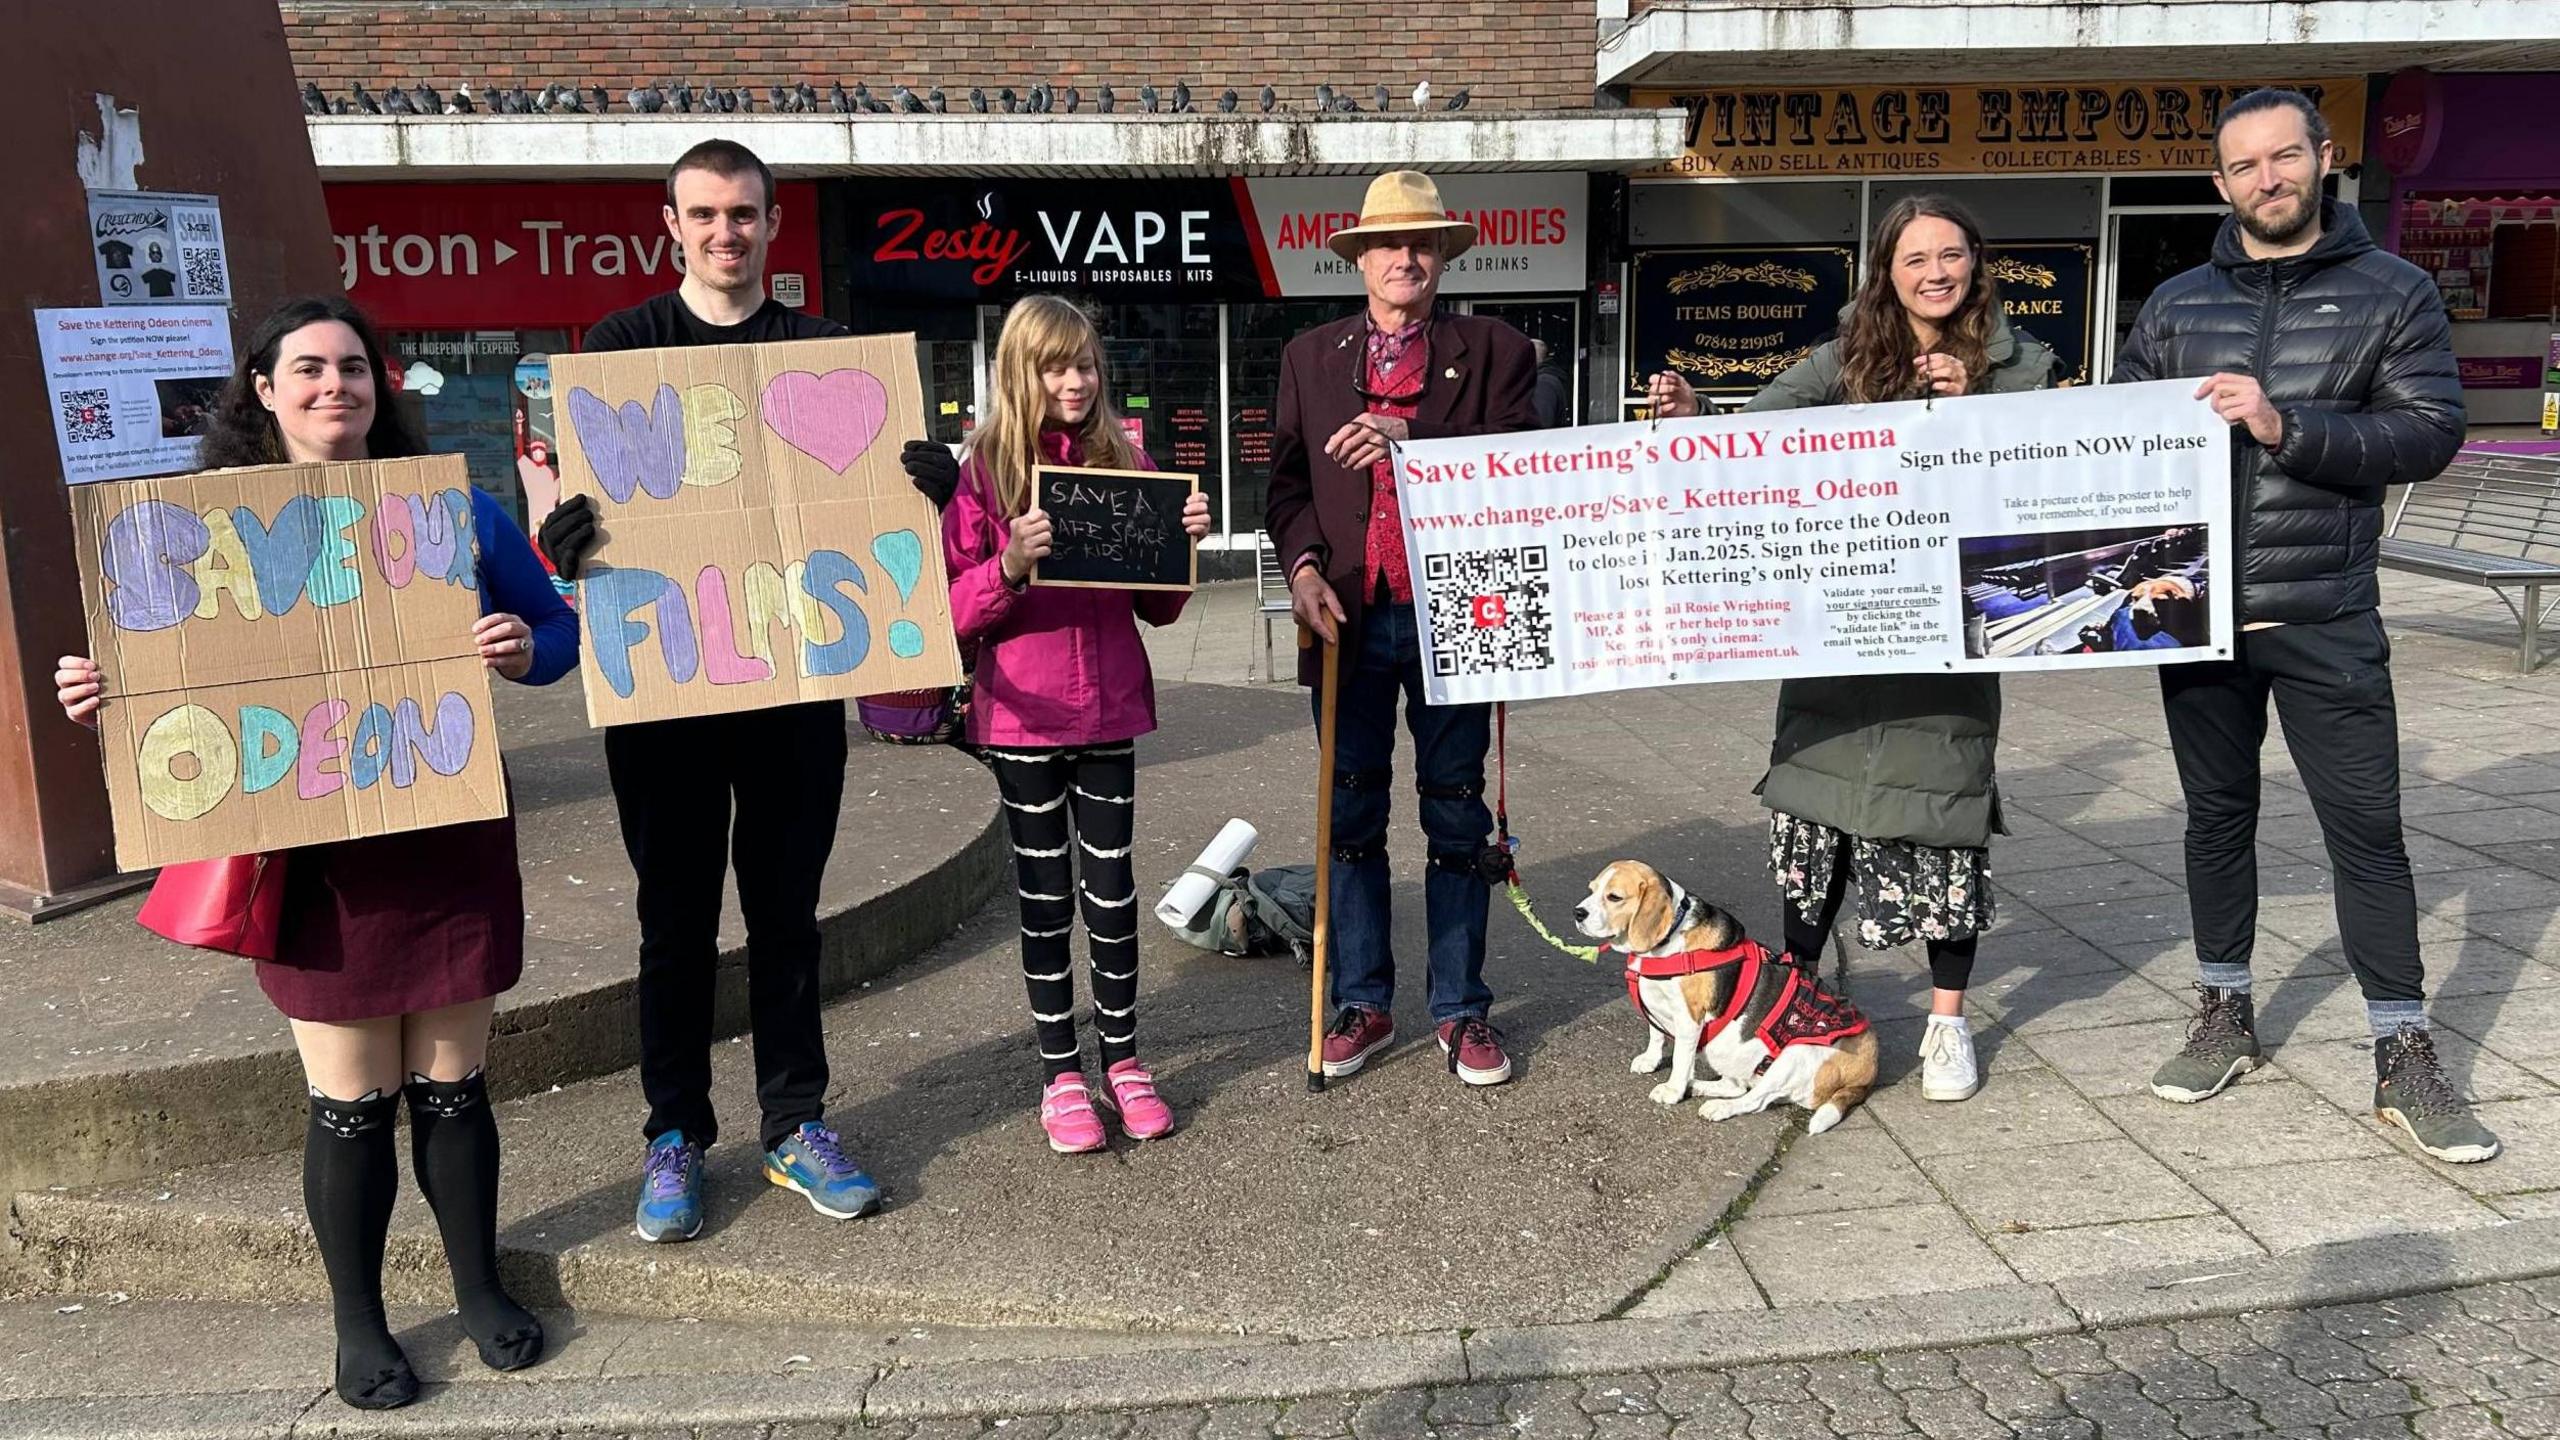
(1256, 912)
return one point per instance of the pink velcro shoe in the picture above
(1130, 1094)
(1066, 1112)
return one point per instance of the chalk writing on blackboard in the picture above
(1120, 529)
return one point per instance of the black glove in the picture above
(569, 535)
(929, 465)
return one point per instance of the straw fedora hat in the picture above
(1404, 202)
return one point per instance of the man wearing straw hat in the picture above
(1400, 370)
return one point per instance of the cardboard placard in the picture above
(762, 545)
(288, 657)
(1116, 529)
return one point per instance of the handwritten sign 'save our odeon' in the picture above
(745, 539)
(288, 655)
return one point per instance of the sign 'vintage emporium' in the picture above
(1977, 129)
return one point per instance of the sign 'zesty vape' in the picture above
(1194, 239)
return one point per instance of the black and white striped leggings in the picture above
(1096, 787)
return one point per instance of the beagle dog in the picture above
(1765, 1029)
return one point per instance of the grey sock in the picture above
(2388, 1016)
(2234, 978)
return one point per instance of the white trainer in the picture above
(1947, 1069)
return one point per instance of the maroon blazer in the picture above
(1482, 381)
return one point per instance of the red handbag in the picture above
(235, 904)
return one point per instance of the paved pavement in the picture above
(2064, 1164)
(1403, 1232)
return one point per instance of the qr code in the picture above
(1489, 611)
(85, 416)
(204, 272)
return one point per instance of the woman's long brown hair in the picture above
(1877, 346)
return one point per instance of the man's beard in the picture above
(2306, 214)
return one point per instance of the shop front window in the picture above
(1256, 334)
(1163, 363)
(486, 395)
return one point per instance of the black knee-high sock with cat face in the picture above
(350, 1179)
(453, 1145)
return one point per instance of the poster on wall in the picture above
(2055, 529)
(2049, 290)
(289, 655)
(154, 248)
(1733, 318)
(131, 389)
(762, 546)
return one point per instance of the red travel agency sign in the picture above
(439, 257)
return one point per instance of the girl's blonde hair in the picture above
(1042, 331)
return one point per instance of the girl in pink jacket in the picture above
(1062, 689)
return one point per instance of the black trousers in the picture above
(765, 788)
(2331, 683)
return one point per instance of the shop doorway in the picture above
(1557, 324)
(2145, 248)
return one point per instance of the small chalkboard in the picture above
(1116, 529)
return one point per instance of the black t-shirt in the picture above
(665, 321)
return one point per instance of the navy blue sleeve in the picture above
(512, 580)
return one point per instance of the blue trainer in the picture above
(813, 1162)
(671, 1190)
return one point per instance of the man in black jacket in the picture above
(2334, 364)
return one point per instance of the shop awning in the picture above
(1060, 146)
(1729, 42)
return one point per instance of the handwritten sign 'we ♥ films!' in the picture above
(288, 656)
(762, 545)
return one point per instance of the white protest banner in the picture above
(2052, 529)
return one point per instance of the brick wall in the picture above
(1513, 54)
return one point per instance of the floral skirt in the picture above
(1906, 892)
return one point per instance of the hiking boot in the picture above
(670, 1206)
(1356, 1032)
(1947, 1068)
(2222, 1046)
(811, 1161)
(2410, 1091)
(1474, 1049)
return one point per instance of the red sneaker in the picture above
(1356, 1032)
(1474, 1049)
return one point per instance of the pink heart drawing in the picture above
(831, 418)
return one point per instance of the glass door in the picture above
(2144, 249)
(1555, 325)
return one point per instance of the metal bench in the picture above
(1271, 595)
(2489, 520)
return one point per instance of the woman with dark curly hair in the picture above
(1888, 781)
(389, 980)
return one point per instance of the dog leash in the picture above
(1509, 847)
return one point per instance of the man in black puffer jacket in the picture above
(2334, 364)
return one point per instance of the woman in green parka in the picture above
(1886, 782)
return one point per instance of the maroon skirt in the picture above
(396, 924)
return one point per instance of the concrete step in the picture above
(125, 1056)
(97, 1366)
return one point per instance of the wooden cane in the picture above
(1324, 855)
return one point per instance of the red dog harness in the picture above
(1802, 1013)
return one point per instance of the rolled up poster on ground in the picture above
(1191, 890)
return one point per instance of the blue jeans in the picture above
(1449, 743)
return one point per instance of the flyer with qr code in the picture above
(155, 247)
(131, 387)
(2046, 530)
